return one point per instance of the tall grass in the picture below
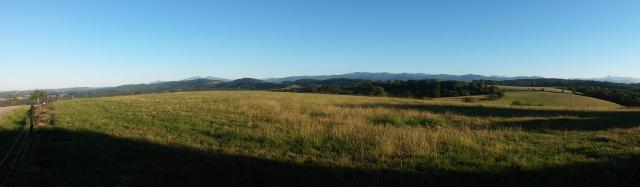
(356, 132)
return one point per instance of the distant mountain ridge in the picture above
(627, 80)
(207, 78)
(196, 78)
(384, 76)
(59, 90)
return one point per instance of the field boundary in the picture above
(14, 161)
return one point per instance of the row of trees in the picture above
(628, 97)
(407, 89)
(37, 96)
(624, 94)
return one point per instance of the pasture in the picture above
(275, 139)
(543, 89)
(551, 99)
(535, 96)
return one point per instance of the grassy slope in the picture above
(11, 124)
(11, 127)
(522, 88)
(285, 138)
(552, 99)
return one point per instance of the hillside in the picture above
(273, 139)
(614, 79)
(387, 84)
(551, 99)
(624, 94)
(537, 96)
(398, 88)
(383, 76)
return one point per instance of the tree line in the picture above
(427, 88)
(37, 96)
(624, 94)
(398, 88)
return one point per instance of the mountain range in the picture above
(382, 76)
(207, 78)
(196, 78)
(626, 80)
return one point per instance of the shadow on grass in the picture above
(65, 158)
(584, 120)
(583, 124)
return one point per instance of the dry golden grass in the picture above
(427, 137)
(343, 130)
(552, 99)
(546, 99)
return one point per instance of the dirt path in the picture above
(4, 110)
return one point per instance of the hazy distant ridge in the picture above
(384, 76)
(401, 76)
(613, 79)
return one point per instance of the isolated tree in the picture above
(436, 91)
(39, 96)
(379, 91)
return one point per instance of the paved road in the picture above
(4, 110)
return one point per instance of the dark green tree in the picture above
(379, 91)
(38, 96)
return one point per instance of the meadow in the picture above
(525, 88)
(275, 139)
(551, 99)
(534, 96)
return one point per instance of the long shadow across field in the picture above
(12, 136)
(582, 120)
(65, 158)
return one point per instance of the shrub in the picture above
(470, 100)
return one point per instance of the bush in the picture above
(518, 103)
(470, 100)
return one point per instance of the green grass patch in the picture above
(539, 98)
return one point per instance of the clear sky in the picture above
(64, 43)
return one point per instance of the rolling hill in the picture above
(624, 94)
(628, 80)
(540, 98)
(383, 76)
(239, 138)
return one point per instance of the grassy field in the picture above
(522, 88)
(11, 125)
(276, 139)
(551, 99)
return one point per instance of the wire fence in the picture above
(15, 159)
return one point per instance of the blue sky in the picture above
(64, 43)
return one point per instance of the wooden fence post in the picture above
(32, 116)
